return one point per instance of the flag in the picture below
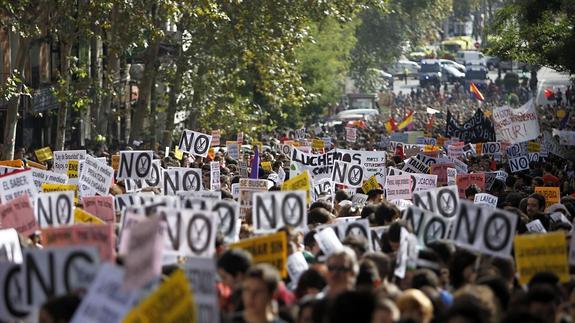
(406, 121)
(391, 125)
(430, 122)
(565, 120)
(549, 94)
(255, 167)
(473, 89)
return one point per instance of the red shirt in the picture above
(548, 178)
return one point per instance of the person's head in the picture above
(232, 266)
(375, 196)
(414, 305)
(319, 215)
(535, 204)
(470, 192)
(342, 269)
(383, 263)
(59, 309)
(543, 301)
(306, 309)
(394, 233)
(258, 288)
(352, 306)
(385, 214)
(321, 204)
(548, 169)
(368, 276)
(385, 311)
(462, 268)
(310, 282)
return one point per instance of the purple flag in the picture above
(255, 167)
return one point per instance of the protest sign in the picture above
(7, 170)
(398, 187)
(318, 165)
(519, 164)
(348, 174)
(406, 254)
(247, 187)
(216, 134)
(95, 177)
(323, 188)
(106, 301)
(190, 233)
(73, 171)
(12, 302)
(195, 143)
(372, 161)
(40, 176)
(17, 183)
(55, 208)
(171, 302)
(552, 194)
(535, 226)
(516, 125)
(451, 176)
(477, 129)
(455, 151)
(229, 221)
(428, 160)
(10, 250)
(317, 144)
(533, 147)
(350, 134)
(536, 253)
(300, 182)
(466, 180)
(51, 272)
(299, 133)
(427, 226)
(491, 148)
(566, 137)
(377, 234)
(143, 261)
(43, 154)
(61, 159)
(296, 265)
(201, 274)
(215, 176)
(181, 179)
(486, 199)
(441, 169)
(100, 236)
(81, 216)
(423, 182)
(101, 207)
(350, 226)
(486, 230)
(442, 200)
(155, 180)
(267, 166)
(274, 210)
(18, 214)
(135, 164)
(328, 241)
(370, 184)
(270, 249)
(469, 150)
(414, 165)
(426, 141)
(12, 163)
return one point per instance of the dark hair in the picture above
(267, 273)
(368, 212)
(394, 231)
(321, 204)
(540, 199)
(309, 239)
(499, 287)
(472, 190)
(319, 215)
(310, 278)
(383, 263)
(235, 261)
(443, 249)
(368, 275)
(424, 277)
(460, 260)
(520, 315)
(385, 213)
(62, 308)
(341, 195)
(542, 293)
(352, 306)
(513, 199)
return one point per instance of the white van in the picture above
(470, 57)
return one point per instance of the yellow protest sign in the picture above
(300, 182)
(266, 165)
(171, 302)
(270, 248)
(30, 163)
(479, 148)
(533, 147)
(116, 161)
(370, 184)
(430, 148)
(178, 154)
(536, 253)
(81, 216)
(51, 187)
(43, 154)
(73, 166)
(12, 163)
(317, 144)
(552, 194)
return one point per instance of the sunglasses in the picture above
(339, 269)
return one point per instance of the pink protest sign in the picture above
(465, 180)
(100, 206)
(99, 235)
(18, 214)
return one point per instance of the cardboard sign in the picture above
(55, 208)
(491, 148)
(189, 233)
(10, 250)
(317, 144)
(350, 134)
(518, 164)
(81, 216)
(40, 176)
(328, 241)
(486, 230)
(423, 182)
(370, 184)
(533, 147)
(516, 125)
(61, 159)
(441, 200)
(12, 302)
(398, 187)
(43, 154)
(182, 179)
(323, 188)
(107, 296)
(171, 302)
(427, 226)
(466, 180)
(296, 265)
(270, 249)
(201, 275)
(195, 143)
(229, 222)
(233, 150)
(406, 254)
(17, 183)
(101, 207)
(216, 134)
(215, 176)
(12, 163)
(536, 253)
(18, 214)
(552, 195)
(100, 236)
(300, 182)
(274, 210)
(95, 178)
(535, 226)
(247, 187)
(135, 164)
(155, 180)
(414, 165)
(143, 260)
(440, 169)
(486, 199)
(451, 176)
(348, 174)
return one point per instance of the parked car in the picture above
(448, 62)
(467, 57)
(398, 68)
(452, 74)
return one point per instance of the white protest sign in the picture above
(155, 180)
(489, 231)
(518, 164)
(451, 175)
(143, 260)
(190, 233)
(328, 241)
(95, 177)
(124, 201)
(233, 150)
(359, 200)
(273, 210)
(407, 252)
(281, 175)
(12, 302)
(17, 183)
(535, 226)
(423, 182)
(299, 133)
(182, 179)
(516, 125)
(415, 165)
(41, 176)
(61, 159)
(51, 272)
(491, 148)
(10, 250)
(135, 164)
(352, 226)
(323, 187)
(215, 176)
(350, 134)
(398, 187)
(486, 199)
(216, 134)
(7, 169)
(377, 234)
(201, 274)
(348, 174)
(441, 200)
(55, 209)
(427, 226)
(296, 265)
(229, 222)
(372, 161)
(401, 203)
(236, 190)
(195, 143)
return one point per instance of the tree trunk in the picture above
(65, 51)
(172, 103)
(96, 71)
(125, 102)
(14, 102)
(109, 83)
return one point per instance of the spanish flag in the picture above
(473, 89)
(406, 121)
(391, 125)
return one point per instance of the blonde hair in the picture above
(415, 300)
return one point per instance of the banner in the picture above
(270, 249)
(535, 253)
(477, 129)
(516, 125)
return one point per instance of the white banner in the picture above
(516, 125)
